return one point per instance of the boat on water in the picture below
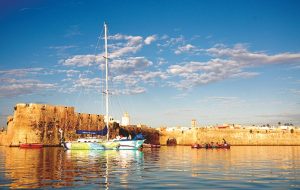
(130, 144)
(98, 143)
(92, 143)
(30, 145)
(211, 146)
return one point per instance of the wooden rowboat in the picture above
(31, 145)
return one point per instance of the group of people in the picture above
(217, 144)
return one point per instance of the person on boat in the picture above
(224, 142)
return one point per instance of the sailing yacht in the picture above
(92, 143)
(99, 144)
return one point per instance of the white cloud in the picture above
(71, 73)
(129, 64)
(128, 80)
(186, 49)
(92, 83)
(81, 60)
(242, 55)
(122, 46)
(150, 39)
(62, 48)
(21, 72)
(161, 61)
(225, 63)
(131, 91)
(168, 42)
(15, 87)
(146, 76)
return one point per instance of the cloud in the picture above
(228, 100)
(224, 63)
(130, 91)
(81, 60)
(71, 73)
(150, 39)
(122, 45)
(168, 42)
(134, 82)
(62, 48)
(129, 64)
(128, 80)
(88, 83)
(161, 61)
(146, 76)
(186, 49)
(17, 82)
(21, 72)
(242, 55)
(13, 87)
(198, 73)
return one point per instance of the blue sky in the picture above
(170, 61)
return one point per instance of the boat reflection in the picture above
(106, 164)
(54, 167)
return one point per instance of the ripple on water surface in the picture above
(164, 168)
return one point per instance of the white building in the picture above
(125, 119)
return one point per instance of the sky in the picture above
(169, 61)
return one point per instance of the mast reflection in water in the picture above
(168, 167)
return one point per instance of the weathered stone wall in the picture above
(232, 136)
(40, 123)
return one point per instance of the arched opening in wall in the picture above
(171, 142)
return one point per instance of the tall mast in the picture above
(106, 79)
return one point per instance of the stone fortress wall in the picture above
(233, 136)
(41, 123)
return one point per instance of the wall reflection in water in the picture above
(55, 167)
(263, 167)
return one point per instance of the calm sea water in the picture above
(264, 167)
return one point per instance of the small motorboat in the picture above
(31, 145)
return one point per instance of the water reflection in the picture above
(54, 167)
(167, 167)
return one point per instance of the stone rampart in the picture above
(232, 136)
(41, 123)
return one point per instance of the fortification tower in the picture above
(125, 119)
(194, 123)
